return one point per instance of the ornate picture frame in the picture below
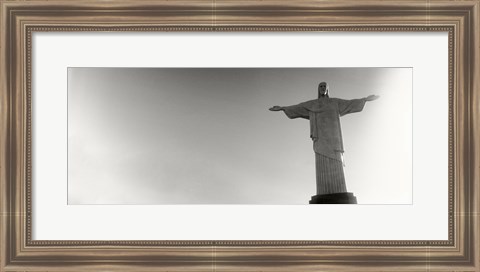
(19, 19)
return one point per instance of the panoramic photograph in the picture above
(244, 136)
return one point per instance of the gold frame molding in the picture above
(19, 19)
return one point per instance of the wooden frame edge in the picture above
(20, 253)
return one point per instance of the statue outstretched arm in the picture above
(296, 111)
(371, 97)
(277, 108)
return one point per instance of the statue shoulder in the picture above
(312, 105)
(309, 103)
(339, 101)
(336, 100)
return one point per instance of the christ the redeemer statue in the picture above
(324, 115)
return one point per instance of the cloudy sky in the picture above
(206, 136)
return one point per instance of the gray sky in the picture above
(205, 135)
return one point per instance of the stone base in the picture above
(339, 198)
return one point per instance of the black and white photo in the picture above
(206, 136)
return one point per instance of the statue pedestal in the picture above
(339, 198)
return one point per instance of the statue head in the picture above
(323, 89)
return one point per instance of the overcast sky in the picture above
(206, 136)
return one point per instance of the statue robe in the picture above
(324, 115)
